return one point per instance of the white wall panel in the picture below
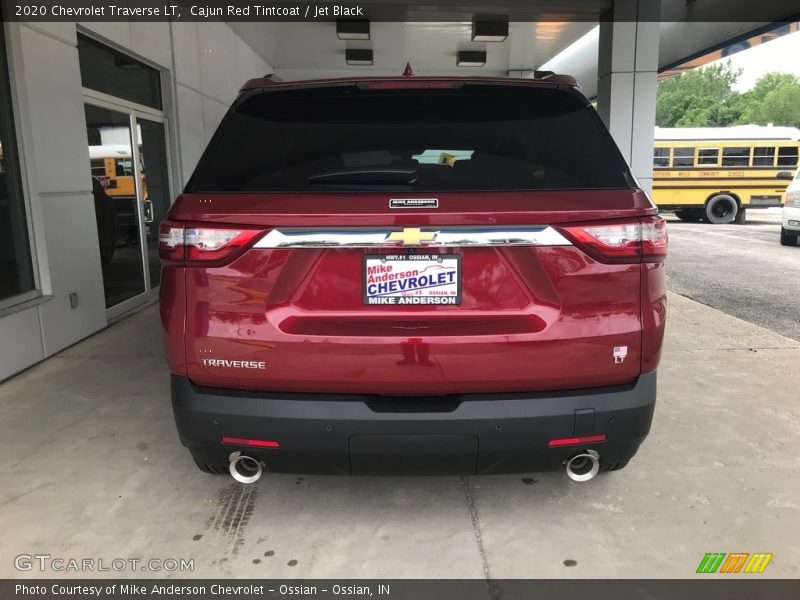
(211, 64)
(191, 130)
(71, 233)
(51, 76)
(20, 341)
(187, 54)
(248, 63)
(217, 61)
(62, 31)
(152, 41)
(58, 162)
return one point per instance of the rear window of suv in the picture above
(467, 138)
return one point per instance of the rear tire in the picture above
(211, 468)
(721, 209)
(690, 215)
(788, 239)
(741, 216)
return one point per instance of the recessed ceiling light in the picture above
(352, 29)
(358, 56)
(489, 28)
(471, 58)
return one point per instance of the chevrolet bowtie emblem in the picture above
(411, 236)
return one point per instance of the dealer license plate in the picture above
(408, 279)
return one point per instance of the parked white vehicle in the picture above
(790, 227)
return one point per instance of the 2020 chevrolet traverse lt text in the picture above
(413, 275)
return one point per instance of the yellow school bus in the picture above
(112, 165)
(715, 173)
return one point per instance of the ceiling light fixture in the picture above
(471, 58)
(352, 29)
(358, 56)
(489, 28)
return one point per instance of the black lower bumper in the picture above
(464, 434)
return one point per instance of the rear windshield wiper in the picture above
(368, 176)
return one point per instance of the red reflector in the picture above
(575, 441)
(253, 443)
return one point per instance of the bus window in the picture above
(124, 167)
(738, 156)
(683, 157)
(787, 156)
(764, 156)
(708, 156)
(98, 167)
(660, 157)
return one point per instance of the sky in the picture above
(781, 54)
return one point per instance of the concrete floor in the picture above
(92, 468)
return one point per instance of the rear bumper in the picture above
(465, 434)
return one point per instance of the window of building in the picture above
(787, 156)
(708, 156)
(683, 157)
(125, 123)
(660, 157)
(764, 156)
(106, 70)
(738, 156)
(16, 267)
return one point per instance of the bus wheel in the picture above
(721, 209)
(690, 215)
(741, 216)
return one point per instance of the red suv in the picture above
(413, 275)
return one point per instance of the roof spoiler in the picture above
(552, 77)
(549, 76)
(376, 82)
(265, 81)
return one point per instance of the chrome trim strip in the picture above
(542, 235)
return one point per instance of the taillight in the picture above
(170, 241)
(630, 241)
(178, 242)
(655, 240)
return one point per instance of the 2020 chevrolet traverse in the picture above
(413, 275)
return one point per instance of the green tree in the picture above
(700, 98)
(775, 99)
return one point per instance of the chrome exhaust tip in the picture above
(243, 468)
(584, 466)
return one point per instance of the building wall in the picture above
(203, 65)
